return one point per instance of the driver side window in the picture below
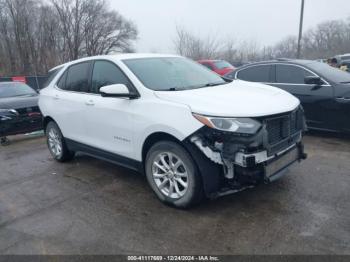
(290, 74)
(106, 73)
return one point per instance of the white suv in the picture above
(193, 133)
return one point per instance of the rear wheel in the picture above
(173, 175)
(56, 143)
(4, 141)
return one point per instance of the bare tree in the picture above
(88, 28)
(287, 48)
(195, 47)
(107, 31)
(36, 35)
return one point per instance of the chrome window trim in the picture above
(275, 83)
(93, 64)
(75, 92)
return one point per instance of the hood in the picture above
(18, 102)
(235, 99)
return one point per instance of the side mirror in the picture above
(116, 90)
(313, 80)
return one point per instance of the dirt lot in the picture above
(93, 207)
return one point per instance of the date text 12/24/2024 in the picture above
(173, 258)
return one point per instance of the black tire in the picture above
(194, 190)
(65, 154)
(4, 141)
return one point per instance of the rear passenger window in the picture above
(51, 75)
(290, 74)
(77, 77)
(106, 73)
(255, 73)
(61, 84)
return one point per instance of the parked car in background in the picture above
(341, 58)
(19, 110)
(191, 132)
(345, 65)
(220, 67)
(324, 91)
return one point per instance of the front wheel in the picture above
(56, 143)
(173, 175)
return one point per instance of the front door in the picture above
(342, 104)
(108, 120)
(317, 101)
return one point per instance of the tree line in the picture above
(323, 41)
(36, 35)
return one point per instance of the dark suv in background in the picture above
(324, 91)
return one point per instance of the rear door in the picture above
(316, 100)
(69, 101)
(256, 73)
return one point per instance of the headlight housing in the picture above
(235, 125)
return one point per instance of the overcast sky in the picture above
(266, 21)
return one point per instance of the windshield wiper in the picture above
(212, 84)
(347, 82)
(173, 89)
(215, 84)
(193, 86)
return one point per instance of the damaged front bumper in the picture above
(243, 161)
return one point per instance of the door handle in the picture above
(90, 103)
(343, 99)
(56, 97)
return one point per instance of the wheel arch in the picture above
(209, 171)
(46, 121)
(154, 138)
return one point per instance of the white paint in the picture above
(121, 125)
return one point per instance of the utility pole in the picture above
(300, 28)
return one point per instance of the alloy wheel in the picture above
(170, 175)
(55, 142)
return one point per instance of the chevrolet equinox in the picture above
(191, 132)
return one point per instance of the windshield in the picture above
(172, 73)
(15, 89)
(331, 73)
(222, 64)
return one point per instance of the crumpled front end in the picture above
(247, 160)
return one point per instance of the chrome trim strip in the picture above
(276, 63)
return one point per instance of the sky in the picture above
(264, 21)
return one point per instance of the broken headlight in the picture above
(236, 125)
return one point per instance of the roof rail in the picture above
(283, 59)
